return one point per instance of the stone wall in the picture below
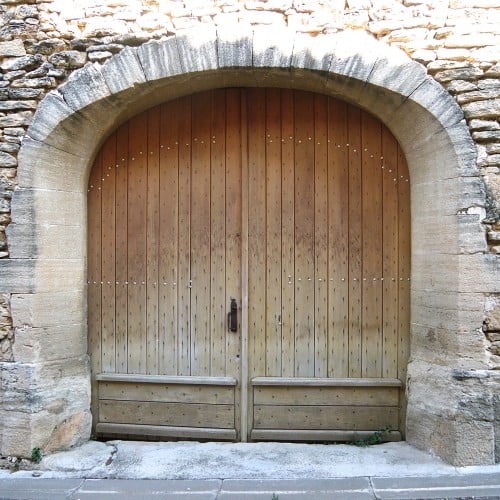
(43, 42)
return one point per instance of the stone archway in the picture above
(46, 272)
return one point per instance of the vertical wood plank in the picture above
(121, 167)
(184, 270)
(218, 303)
(390, 254)
(404, 233)
(108, 159)
(355, 241)
(372, 247)
(94, 275)
(233, 222)
(246, 411)
(152, 240)
(257, 232)
(168, 238)
(287, 234)
(200, 234)
(304, 235)
(273, 233)
(321, 235)
(338, 240)
(137, 250)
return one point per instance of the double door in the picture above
(248, 271)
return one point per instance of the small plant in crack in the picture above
(36, 455)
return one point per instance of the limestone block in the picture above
(492, 321)
(478, 124)
(45, 167)
(454, 419)
(25, 63)
(160, 59)
(234, 47)
(7, 160)
(395, 71)
(84, 87)
(17, 276)
(272, 48)
(48, 207)
(349, 61)
(197, 50)
(34, 345)
(489, 108)
(68, 59)
(51, 242)
(448, 75)
(123, 71)
(45, 82)
(486, 135)
(313, 53)
(435, 100)
(21, 119)
(49, 309)
(12, 48)
(104, 26)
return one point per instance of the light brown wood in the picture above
(168, 239)
(390, 255)
(346, 395)
(316, 435)
(294, 204)
(175, 414)
(329, 382)
(320, 236)
(152, 241)
(371, 365)
(304, 235)
(355, 241)
(167, 393)
(245, 394)
(165, 379)
(167, 431)
(184, 239)
(287, 234)
(108, 257)
(200, 235)
(120, 238)
(273, 346)
(137, 239)
(218, 239)
(338, 240)
(325, 417)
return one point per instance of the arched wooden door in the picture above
(293, 204)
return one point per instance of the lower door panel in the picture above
(296, 409)
(166, 406)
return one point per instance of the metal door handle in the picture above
(232, 317)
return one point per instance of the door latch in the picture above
(232, 317)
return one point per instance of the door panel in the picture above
(294, 204)
(164, 261)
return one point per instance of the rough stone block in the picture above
(234, 47)
(272, 48)
(197, 50)
(49, 309)
(123, 71)
(17, 276)
(12, 48)
(160, 59)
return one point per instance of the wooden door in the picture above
(328, 287)
(292, 203)
(164, 205)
